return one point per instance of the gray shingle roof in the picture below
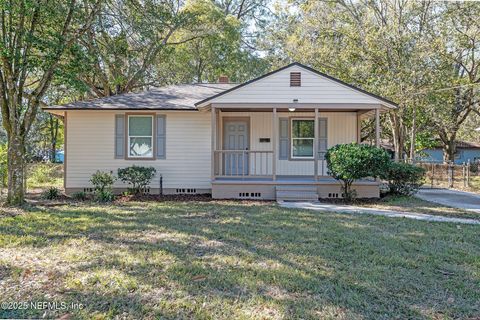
(175, 97)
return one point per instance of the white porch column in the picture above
(315, 147)
(213, 138)
(377, 127)
(274, 143)
(359, 128)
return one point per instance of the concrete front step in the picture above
(297, 194)
(297, 188)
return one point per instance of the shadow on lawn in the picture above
(287, 263)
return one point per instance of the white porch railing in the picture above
(243, 163)
(254, 163)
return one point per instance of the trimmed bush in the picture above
(138, 177)
(353, 161)
(404, 178)
(51, 193)
(102, 183)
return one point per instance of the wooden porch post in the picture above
(274, 143)
(315, 147)
(359, 128)
(377, 127)
(214, 138)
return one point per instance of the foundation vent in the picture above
(333, 195)
(88, 190)
(185, 191)
(250, 195)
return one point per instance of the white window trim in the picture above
(292, 138)
(129, 155)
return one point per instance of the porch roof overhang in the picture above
(365, 110)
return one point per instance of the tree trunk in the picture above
(54, 151)
(397, 136)
(413, 135)
(54, 123)
(449, 150)
(16, 173)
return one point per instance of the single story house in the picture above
(262, 139)
(466, 151)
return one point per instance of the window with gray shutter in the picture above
(322, 137)
(283, 140)
(119, 136)
(161, 137)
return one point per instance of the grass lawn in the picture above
(413, 204)
(232, 260)
(475, 184)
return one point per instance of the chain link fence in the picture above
(464, 176)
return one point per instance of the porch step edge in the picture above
(297, 188)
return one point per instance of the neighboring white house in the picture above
(263, 139)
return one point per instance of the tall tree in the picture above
(119, 51)
(34, 35)
(222, 51)
(455, 93)
(377, 45)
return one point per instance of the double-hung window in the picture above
(140, 136)
(303, 137)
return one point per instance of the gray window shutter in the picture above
(119, 136)
(161, 137)
(322, 137)
(284, 139)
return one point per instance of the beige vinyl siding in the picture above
(342, 128)
(91, 148)
(314, 89)
(187, 165)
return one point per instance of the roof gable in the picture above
(316, 87)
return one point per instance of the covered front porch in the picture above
(282, 143)
(278, 152)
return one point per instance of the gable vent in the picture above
(295, 79)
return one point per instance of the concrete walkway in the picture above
(318, 206)
(452, 198)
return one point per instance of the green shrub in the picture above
(137, 177)
(350, 162)
(51, 193)
(79, 195)
(102, 183)
(104, 196)
(102, 180)
(41, 173)
(404, 178)
(44, 175)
